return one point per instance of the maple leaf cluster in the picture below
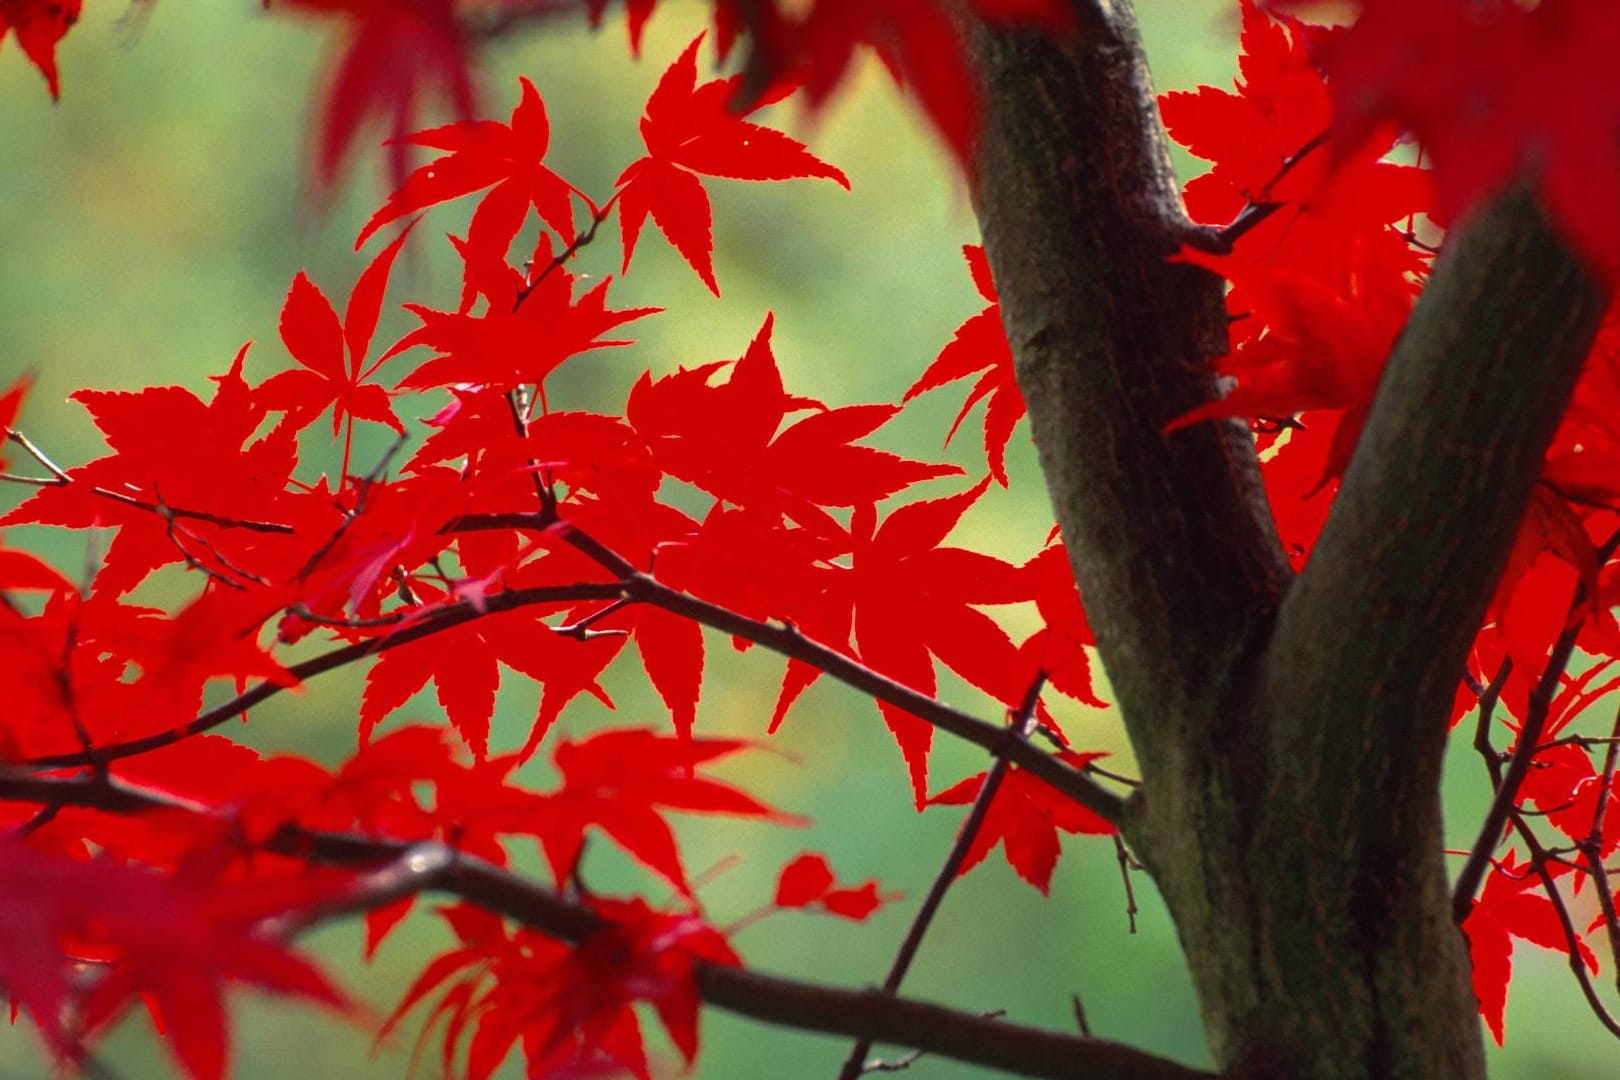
(517, 536)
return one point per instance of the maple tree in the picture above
(1330, 437)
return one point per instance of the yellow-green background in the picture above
(151, 222)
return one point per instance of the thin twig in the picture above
(1080, 1020)
(1535, 721)
(906, 1061)
(39, 455)
(1507, 790)
(1488, 697)
(60, 477)
(1017, 731)
(44, 817)
(1220, 241)
(1126, 864)
(581, 627)
(1108, 774)
(599, 214)
(1592, 847)
(517, 401)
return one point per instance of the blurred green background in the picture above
(151, 223)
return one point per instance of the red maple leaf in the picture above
(1058, 650)
(356, 544)
(572, 1009)
(808, 882)
(1322, 285)
(1564, 785)
(908, 599)
(980, 345)
(724, 438)
(1299, 481)
(618, 781)
(530, 326)
(579, 454)
(332, 370)
(1509, 908)
(464, 665)
(748, 560)
(52, 685)
(39, 25)
(394, 52)
(21, 570)
(215, 635)
(642, 955)
(1264, 142)
(690, 130)
(1316, 342)
(506, 158)
(10, 404)
(1025, 818)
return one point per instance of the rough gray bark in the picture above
(1289, 732)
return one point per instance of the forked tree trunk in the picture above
(1289, 730)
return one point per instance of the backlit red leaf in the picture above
(1025, 818)
(690, 129)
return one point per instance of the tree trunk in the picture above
(1289, 732)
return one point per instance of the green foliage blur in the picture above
(151, 222)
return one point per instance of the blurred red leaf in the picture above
(39, 25)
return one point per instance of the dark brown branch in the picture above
(1221, 241)
(938, 1030)
(1126, 865)
(1373, 633)
(780, 638)
(394, 869)
(789, 641)
(1507, 789)
(1170, 537)
(1488, 697)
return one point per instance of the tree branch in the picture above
(1361, 671)
(787, 640)
(643, 588)
(1371, 637)
(410, 868)
(1171, 538)
(1507, 790)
